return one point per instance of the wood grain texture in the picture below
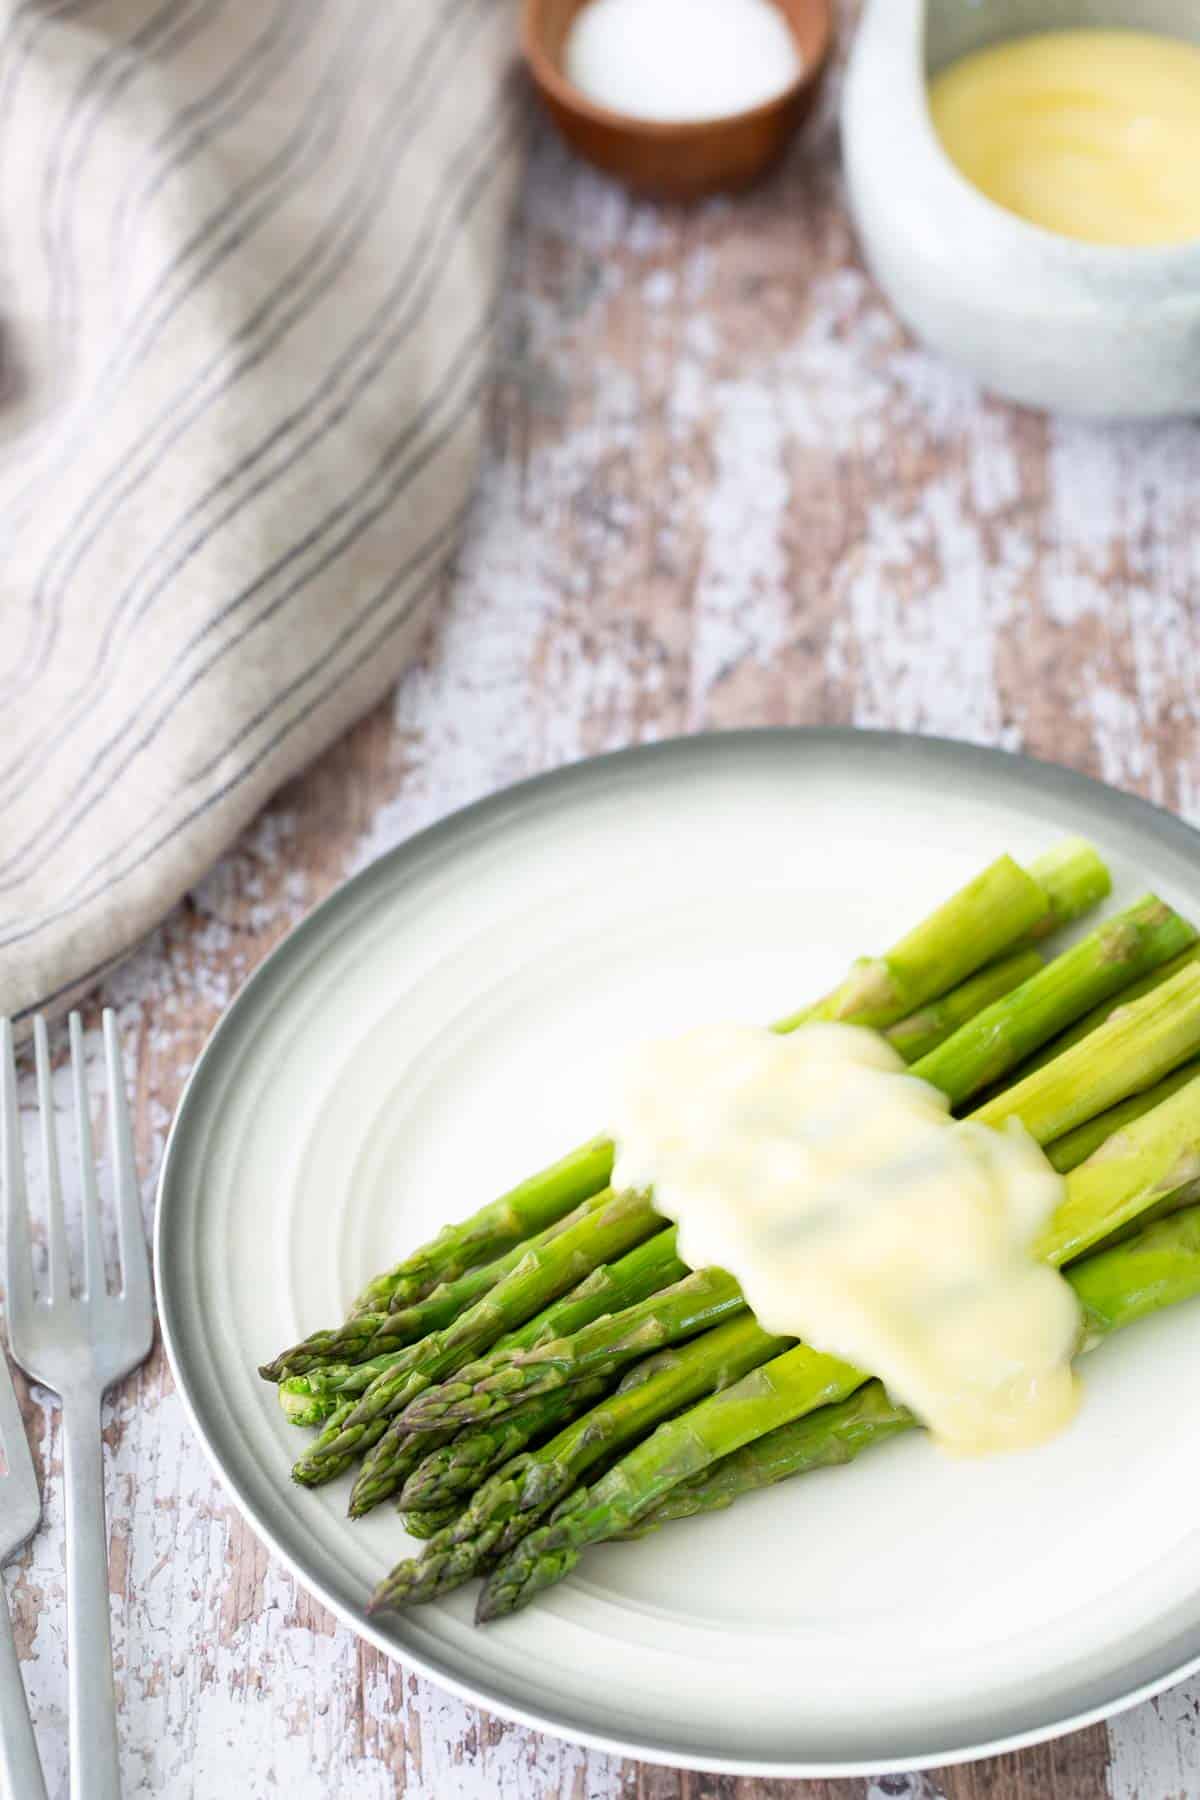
(722, 488)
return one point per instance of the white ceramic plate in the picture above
(447, 1023)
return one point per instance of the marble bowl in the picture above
(1039, 318)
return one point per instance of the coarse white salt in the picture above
(681, 59)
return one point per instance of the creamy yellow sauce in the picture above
(859, 1216)
(1093, 134)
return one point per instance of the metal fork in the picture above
(78, 1346)
(20, 1516)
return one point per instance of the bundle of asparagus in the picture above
(556, 1336)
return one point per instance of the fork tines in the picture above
(116, 1328)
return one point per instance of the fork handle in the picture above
(93, 1707)
(20, 1766)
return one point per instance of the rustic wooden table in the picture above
(722, 488)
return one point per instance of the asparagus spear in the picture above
(1154, 1154)
(491, 1388)
(821, 1440)
(454, 1471)
(1136, 990)
(544, 1272)
(1138, 1168)
(524, 1210)
(1074, 879)
(995, 1040)
(1075, 1147)
(428, 1523)
(313, 1399)
(924, 1030)
(416, 1448)
(309, 1399)
(993, 912)
(442, 1469)
(1127, 1052)
(370, 1335)
(645, 1269)
(1136, 1047)
(510, 1503)
(1158, 1267)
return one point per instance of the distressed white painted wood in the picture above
(721, 488)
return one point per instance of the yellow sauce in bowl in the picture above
(1092, 134)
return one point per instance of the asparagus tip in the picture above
(494, 1603)
(535, 1564)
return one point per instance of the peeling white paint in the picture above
(904, 1787)
(1155, 1749)
(925, 659)
(740, 607)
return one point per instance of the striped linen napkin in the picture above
(250, 258)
